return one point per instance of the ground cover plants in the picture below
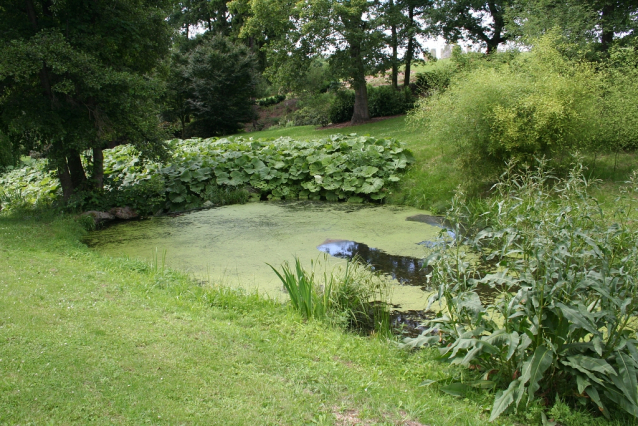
(562, 325)
(352, 168)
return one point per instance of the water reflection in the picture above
(405, 269)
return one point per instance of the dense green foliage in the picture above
(353, 168)
(541, 103)
(619, 122)
(342, 106)
(383, 101)
(220, 77)
(595, 25)
(436, 80)
(351, 31)
(77, 75)
(33, 184)
(480, 22)
(540, 294)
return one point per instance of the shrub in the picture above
(8, 155)
(563, 277)
(270, 100)
(309, 116)
(313, 110)
(342, 106)
(437, 80)
(619, 129)
(541, 104)
(384, 101)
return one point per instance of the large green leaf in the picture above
(626, 379)
(578, 318)
(534, 368)
(372, 185)
(365, 171)
(455, 389)
(505, 398)
(593, 394)
(592, 364)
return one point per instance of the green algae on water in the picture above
(231, 245)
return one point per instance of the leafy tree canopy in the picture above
(76, 75)
(215, 83)
(475, 20)
(350, 32)
(580, 21)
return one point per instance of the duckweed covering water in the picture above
(232, 244)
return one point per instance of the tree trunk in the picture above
(499, 24)
(361, 111)
(492, 46)
(78, 177)
(394, 43)
(98, 168)
(607, 30)
(409, 53)
(65, 180)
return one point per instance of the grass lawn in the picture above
(89, 339)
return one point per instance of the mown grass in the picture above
(90, 339)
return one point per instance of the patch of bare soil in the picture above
(269, 116)
(348, 124)
(351, 418)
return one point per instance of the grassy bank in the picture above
(430, 182)
(84, 338)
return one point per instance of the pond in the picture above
(232, 245)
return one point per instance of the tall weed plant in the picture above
(563, 321)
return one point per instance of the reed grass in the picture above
(350, 296)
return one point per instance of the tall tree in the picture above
(476, 20)
(211, 15)
(77, 75)
(348, 31)
(581, 21)
(394, 19)
(415, 11)
(403, 23)
(220, 80)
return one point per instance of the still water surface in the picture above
(232, 244)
